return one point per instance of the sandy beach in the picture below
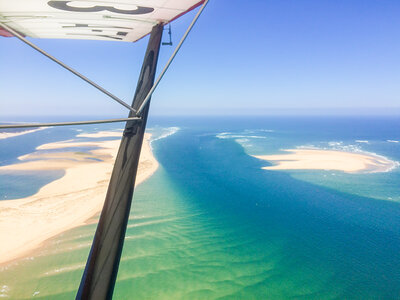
(319, 159)
(67, 202)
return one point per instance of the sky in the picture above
(242, 58)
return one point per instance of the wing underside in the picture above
(113, 20)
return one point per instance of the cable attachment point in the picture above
(170, 37)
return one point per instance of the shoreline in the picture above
(335, 160)
(65, 203)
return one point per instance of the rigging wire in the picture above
(68, 123)
(23, 39)
(142, 106)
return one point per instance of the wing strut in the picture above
(102, 266)
(23, 39)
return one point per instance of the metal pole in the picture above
(139, 111)
(16, 34)
(101, 269)
(68, 123)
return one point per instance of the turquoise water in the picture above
(211, 224)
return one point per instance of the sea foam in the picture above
(168, 132)
(230, 135)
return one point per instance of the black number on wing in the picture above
(63, 5)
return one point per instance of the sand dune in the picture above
(316, 159)
(64, 203)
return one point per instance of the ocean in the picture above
(211, 224)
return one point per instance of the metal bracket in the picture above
(170, 37)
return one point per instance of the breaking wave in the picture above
(165, 132)
(230, 135)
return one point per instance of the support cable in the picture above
(143, 105)
(68, 123)
(16, 34)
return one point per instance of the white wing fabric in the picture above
(120, 20)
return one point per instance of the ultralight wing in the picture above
(113, 20)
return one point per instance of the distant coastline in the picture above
(67, 202)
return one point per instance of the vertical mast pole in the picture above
(101, 268)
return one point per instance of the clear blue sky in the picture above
(242, 57)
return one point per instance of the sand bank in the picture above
(7, 134)
(64, 203)
(101, 134)
(318, 159)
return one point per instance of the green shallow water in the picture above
(173, 250)
(176, 250)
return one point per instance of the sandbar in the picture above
(7, 134)
(101, 134)
(320, 159)
(64, 203)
